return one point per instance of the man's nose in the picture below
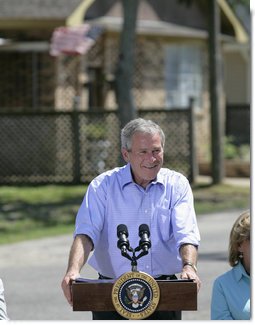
(151, 156)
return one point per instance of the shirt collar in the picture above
(240, 272)
(160, 178)
(127, 177)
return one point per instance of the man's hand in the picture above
(81, 247)
(66, 285)
(189, 273)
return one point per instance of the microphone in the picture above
(123, 242)
(144, 234)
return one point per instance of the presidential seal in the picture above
(135, 295)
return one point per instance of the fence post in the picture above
(192, 142)
(76, 142)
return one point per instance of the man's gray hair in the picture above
(140, 125)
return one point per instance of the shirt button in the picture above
(145, 210)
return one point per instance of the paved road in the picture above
(32, 272)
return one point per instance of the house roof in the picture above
(37, 9)
(52, 13)
(154, 16)
(169, 18)
(171, 11)
(148, 27)
(192, 19)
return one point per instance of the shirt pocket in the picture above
(164, 223)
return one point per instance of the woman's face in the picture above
(145, 157)
(244, 247)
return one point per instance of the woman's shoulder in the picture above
(226, 277)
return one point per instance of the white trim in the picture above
(241, 35)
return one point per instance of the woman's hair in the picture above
(239, 233)
(140, 125)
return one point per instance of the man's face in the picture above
(145, 157)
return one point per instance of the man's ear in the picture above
(125, 154)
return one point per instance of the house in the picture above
(28, 73)
(171, 57)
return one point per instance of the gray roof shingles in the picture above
(37, 9)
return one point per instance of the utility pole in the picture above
(215, 81)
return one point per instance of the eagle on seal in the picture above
(135, 295)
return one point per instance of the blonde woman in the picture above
(231, 290)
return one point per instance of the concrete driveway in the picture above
(32, 271)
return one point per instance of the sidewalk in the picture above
(238, 181)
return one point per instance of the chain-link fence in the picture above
(74, 147)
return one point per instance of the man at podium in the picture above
(140, 192)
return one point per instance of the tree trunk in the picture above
(217, 134)
(125, 66)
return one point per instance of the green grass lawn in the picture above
(34, 212)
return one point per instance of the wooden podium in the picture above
(96, 295)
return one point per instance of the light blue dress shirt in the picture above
(166, 206)
(231, 295)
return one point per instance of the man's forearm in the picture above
(79, 253)
(188, 254)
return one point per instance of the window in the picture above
(183, 75)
